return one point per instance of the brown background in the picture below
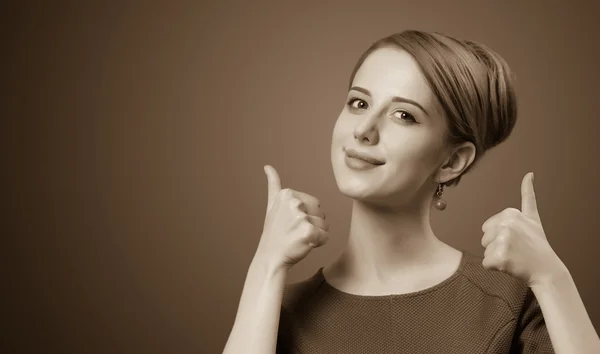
(135, 136)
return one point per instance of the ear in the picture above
(460, 158)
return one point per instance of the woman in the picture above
(422, 109)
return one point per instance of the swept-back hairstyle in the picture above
(473, 84)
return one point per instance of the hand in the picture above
(515, 242)
(294, 224)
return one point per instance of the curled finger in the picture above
(298, 204)
(318, 222)
(319, 238)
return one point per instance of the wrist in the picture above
(552, 280)
(268, 266)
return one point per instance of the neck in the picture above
(384, 243)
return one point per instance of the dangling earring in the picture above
(440, 203)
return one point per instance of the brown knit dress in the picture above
(473, 311)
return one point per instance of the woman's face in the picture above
(391, 115)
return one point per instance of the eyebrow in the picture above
(394, 99)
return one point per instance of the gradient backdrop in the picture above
(135, 134)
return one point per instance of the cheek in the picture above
(341, 135)
(341, 127)
(336, 140)
(413, 155)
(408, 145)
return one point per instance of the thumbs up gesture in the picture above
(294, 224)
(515, 242)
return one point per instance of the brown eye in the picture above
(357, 103)
(404, 116)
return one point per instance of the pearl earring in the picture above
(440, 203)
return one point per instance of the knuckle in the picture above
(505, 224)
(501, 238)
(512, 211)
(323, 240)
(309, 229)
(295, 202)
(483, 241)
(486, 227)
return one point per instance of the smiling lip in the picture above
(355, 154)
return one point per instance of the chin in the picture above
(361, 193)
(358, 187)
(353, 193)
(371, 189)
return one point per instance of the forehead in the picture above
(393, 72)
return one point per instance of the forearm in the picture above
(257, 320)
(569, 326)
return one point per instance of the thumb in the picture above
(528, 201)
(274, 184)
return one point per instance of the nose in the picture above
(367, 130)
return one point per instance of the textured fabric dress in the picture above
(473, 311)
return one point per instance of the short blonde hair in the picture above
(473, 84)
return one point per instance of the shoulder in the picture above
(494, 284)
(299, 293)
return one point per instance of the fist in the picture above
(294, 224)
(515, 242)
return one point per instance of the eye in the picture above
(357, 103)
(404, 115)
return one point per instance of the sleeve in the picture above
(532, 335)
(284, 333)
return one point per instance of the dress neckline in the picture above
(323, 281)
